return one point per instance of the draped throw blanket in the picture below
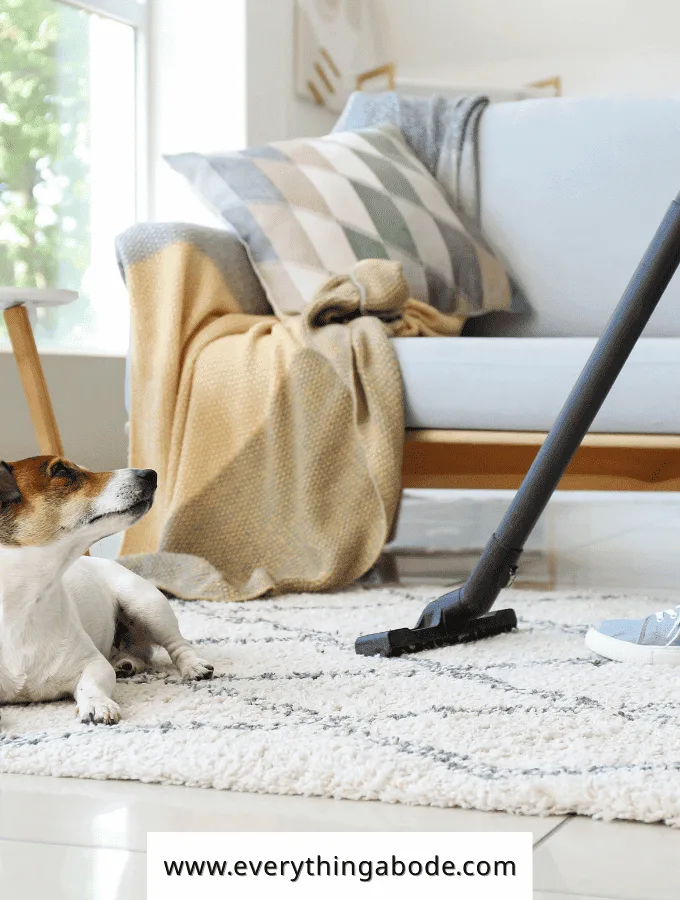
(278, 445)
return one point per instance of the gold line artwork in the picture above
(386, 71)
(554, 82)
(326, 80)
(329, 59)
(340, 47)
(314, 91)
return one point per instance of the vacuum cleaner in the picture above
(464, 614)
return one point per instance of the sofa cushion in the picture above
(308, 209)
(520, 384)
(572, 190)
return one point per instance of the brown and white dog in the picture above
(70, 623)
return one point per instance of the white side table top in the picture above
(10, 296)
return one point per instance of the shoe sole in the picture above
(623, 651)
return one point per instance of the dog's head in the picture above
(46, 499)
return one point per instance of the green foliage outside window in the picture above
(44, 147)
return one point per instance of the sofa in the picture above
(572, 189)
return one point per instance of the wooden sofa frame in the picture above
(491, 460)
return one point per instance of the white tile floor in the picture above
(72, 839)
(78, 839)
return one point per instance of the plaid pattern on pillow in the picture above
(311, 208)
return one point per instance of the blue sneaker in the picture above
(655, 639)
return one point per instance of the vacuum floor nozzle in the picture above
(413, 640)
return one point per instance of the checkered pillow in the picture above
(309, 209)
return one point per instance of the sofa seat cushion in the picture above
(520, 384)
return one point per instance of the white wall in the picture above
(197, 87)
(88, 400)
(597, 46)
(223, 71)
(274, 112)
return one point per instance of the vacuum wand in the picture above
(463, 614)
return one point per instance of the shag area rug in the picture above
(529, 722)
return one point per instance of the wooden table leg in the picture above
(33, 381)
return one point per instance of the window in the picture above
(68, 160)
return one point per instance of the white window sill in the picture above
(93, 352)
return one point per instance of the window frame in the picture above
(136, 14)
(130, 12)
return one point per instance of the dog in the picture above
(69, 623)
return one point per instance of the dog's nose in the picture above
(148, 476)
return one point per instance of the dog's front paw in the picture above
(195, 669)
(99, 711)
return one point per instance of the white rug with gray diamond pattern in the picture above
(529, 722)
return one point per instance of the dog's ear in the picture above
(9, 489)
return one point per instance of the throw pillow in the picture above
(309, 209)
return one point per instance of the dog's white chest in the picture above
(30, 667)
(18, 663)
(42, 645)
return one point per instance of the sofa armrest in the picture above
(221, 245)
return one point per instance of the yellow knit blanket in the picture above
(278, 443)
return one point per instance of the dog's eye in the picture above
(59, 470)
